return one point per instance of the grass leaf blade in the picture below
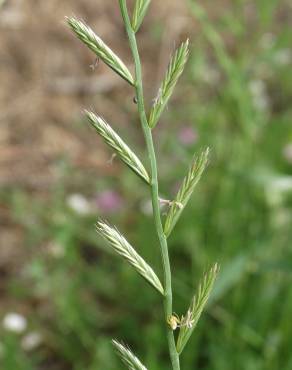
(115, 142)
(189, 183)
(190, 320)
(125, 250)
(102, 51)
(127, 356)
(174, 71)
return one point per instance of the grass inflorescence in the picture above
(118, 242)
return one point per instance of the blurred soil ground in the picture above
(46, 81)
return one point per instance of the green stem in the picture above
(154, 185)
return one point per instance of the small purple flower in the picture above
(109, 201)
(187, 135)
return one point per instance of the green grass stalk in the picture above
(153, 185)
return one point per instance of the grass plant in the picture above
(163, 228)
(235, 97)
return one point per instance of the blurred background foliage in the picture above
(63, 294)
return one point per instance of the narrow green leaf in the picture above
(125, 250)
(115, 142)
(174, 71)
(190, 181)
(127, 356)
(89, 38)
(198, 303)
(139, 13)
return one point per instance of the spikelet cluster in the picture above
(102, 51)
(116, 143)
(127, 356)
(121, 246)
(174, 71)
(198, 303)
(139, 13)
(189, 183)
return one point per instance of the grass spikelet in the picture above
(127, 356)
(125, 250)
(89, 38)
(139, 13)
(174, 71)
(189, 183)
(198, 303)
(115, 142)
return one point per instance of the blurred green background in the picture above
(63, 294)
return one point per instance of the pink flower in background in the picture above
(187, 135)
(108, 201)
